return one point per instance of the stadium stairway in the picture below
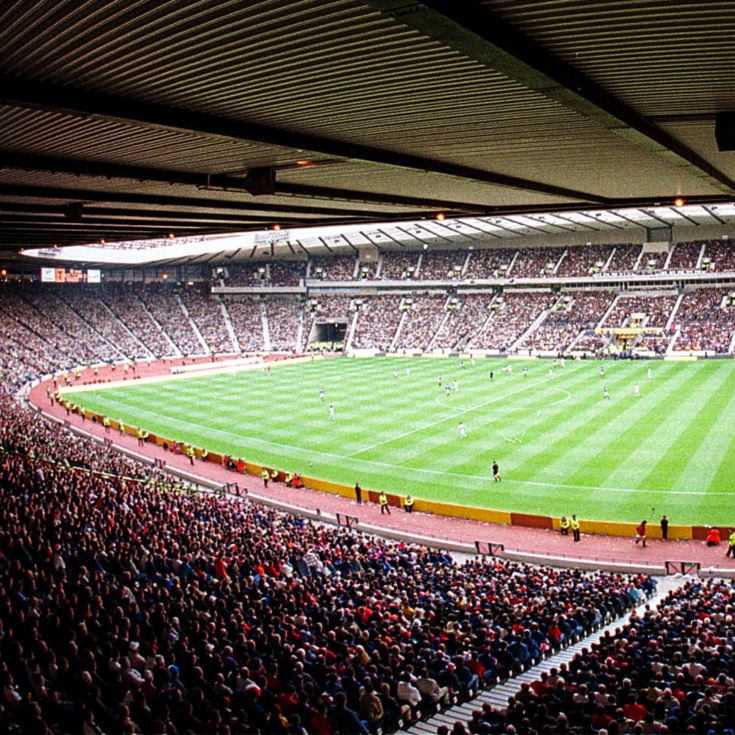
(194, 328)
(498, 695)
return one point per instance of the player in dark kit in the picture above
(496, 472)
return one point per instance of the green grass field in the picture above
(562, 449)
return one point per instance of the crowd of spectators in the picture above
(366, 270)
(654, 311)
(246, 318)
(35, 337)
(93, 312)
(336, 268)
(654, 343)
(377, 323)
(719, 255)
(23, 354)
(704, 322)
(624, 259)
(590, 342)
(576, 313)
(666, 671)
(685, 256)
(51, 306)
(276, 273)
(246, 274)
(128, 604)
(466, 316)
(206, 312)
(485, 263)
(284, 313)
(399, 266)
(287, 272)
(164, 306)
(536, 262)
(653, 261)
(489, 263)
(510, 316)
(584, 260)
(442, 265)
(424, 315)
(128, 308)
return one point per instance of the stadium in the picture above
(367, 367)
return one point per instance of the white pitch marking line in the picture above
(505, 396)
(414, 470)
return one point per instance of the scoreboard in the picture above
(70, 275)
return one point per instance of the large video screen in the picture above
(70, 275)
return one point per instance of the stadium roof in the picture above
(126, 120)
(624, 225)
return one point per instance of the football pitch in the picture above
(562, 448)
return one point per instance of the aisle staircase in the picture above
(174, 347)
(230, 328)
(498, 695)
(194, 328)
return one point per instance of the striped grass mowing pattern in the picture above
(561, 447)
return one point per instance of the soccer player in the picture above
(602, 371)
(447, 389)
(649, 374)
(456, 386)
(551, 373)
(462, 431)
(439, 381)
(496, 471)
(492, 375)
(605, 393)
(321, 394)
(640, 533)
(331, 412)
(525, 372)
(637, 390)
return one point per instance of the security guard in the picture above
(106, 424)
(265, 475)
(564, 526)
(383, 501)
(408, 504)
(575, 528)
(731, 544)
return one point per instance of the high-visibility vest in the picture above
(575, 525)
(731, 540)
(382, 499)
(564, 523)
(408, 502)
